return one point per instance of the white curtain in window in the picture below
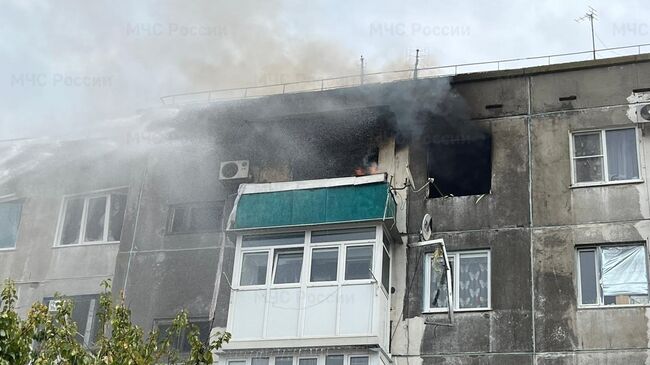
(621, 155)
(623, 271)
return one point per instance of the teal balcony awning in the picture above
(312, 202)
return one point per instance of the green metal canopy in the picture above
(312, 202)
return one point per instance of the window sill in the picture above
(87, 244)
(603, 183)
(616, 306)
(7, 249)
(444, 310)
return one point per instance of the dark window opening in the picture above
(460, 165)
(200, 217)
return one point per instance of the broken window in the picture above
(199, 217)
(613, 275)
(470, 284)
(9, 222)
(288, 265)
(84, 314)
(91, 219)
(179, 341)
(460, 164)
(605, 156)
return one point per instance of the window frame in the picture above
(84, 216)
(456, 256)
(90, 330)
(308, 247)
(13, 199)
(600, 299)
(189, 206)
(603, 148)
(191, 321)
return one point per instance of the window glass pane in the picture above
(359, 360)
(285, 360)
(385, 271)
(260, 361)
(589, 169)
(236, 362)
(324, 264)
(438, 281)
(288, 266)
(623, 275)
(355, 234)
(95, 219)
(586, 144)
(358, 262)
(622, 163)
(588, 282)
(9, 221)
(180, 220)
(72, 221)
(473, 282)
(253, 268)
(308, 362)
(116, 216)
(205, 218)
(273, 239)
(334, 360)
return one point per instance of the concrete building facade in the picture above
(535, 179)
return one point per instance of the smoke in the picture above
(75, 63)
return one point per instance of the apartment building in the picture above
(310, 225)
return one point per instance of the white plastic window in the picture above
(92, 219)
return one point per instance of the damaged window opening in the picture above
(605, 156)
(460, 164)
(613, 275)
(92, 219)
(9, 222)
(198, 217)
(470, 281)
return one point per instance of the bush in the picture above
(45, 338)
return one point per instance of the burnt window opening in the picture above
(84, 314)
(460, 165)
(197, 217)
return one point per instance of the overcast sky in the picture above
(67, 65)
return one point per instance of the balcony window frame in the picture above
(81, 238)
(598, 264)
(455, 257)
(603, 154)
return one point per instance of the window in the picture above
(324, 264)
(253, 270)
(260, 361)
(334, 360)
(308, 361)
(358, 360)
(613, 275)
(288, 265)
(92, 219)
(459, 160)
(605, 156)
(84, 314)
(385, 270)
(199, 217)
(470, 281)
(9, 222)
(284, 360)
(179, 341)
(358, 262)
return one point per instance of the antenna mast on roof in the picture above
(417, 60)
(591, 14)
(362, 71)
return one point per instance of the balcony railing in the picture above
(386, 76)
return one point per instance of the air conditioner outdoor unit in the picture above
(643, 113)
(233, 170)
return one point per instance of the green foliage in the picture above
(46, 338)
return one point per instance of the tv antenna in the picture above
(590, 15)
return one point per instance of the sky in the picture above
(67, 66)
